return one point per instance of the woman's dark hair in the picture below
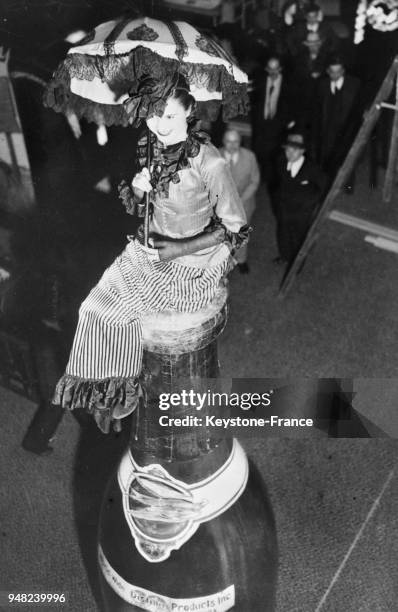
(185, 98)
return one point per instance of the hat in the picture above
(312, 38)
(295, 140)
(312, 7)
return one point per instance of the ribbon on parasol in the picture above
(123, 69)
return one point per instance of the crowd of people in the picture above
(306, 109)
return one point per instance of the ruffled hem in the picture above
(108, 400)
(121, 71)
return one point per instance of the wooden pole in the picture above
(393, 153)
(13, 147)
(364, 225)
(368, 123)
(147, 198)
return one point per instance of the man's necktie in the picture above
(232, 158)
(335, 88)
(268, 114)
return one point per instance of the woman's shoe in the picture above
(42, 429)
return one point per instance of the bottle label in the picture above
(152, 602)
(163, 512)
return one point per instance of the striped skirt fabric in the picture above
(106, 356)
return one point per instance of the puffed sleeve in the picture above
(223, 195)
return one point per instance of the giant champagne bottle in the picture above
(186, 524)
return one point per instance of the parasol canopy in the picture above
(102, 76)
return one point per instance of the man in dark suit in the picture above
(313, 23)
(271, 114)
(336, 117)
(309, 66)
(299, 190)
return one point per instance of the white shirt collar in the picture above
(276, 82)
(231, 157)
(337, 84)
(295, 167)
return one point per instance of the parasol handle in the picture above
(146, 219)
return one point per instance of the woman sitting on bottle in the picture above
(197, 221)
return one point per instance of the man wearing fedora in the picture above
(298, 194)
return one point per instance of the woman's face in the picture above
(171, 127)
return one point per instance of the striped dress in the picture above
(102, 375)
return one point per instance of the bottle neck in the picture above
(177, 439)
(177, 363)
